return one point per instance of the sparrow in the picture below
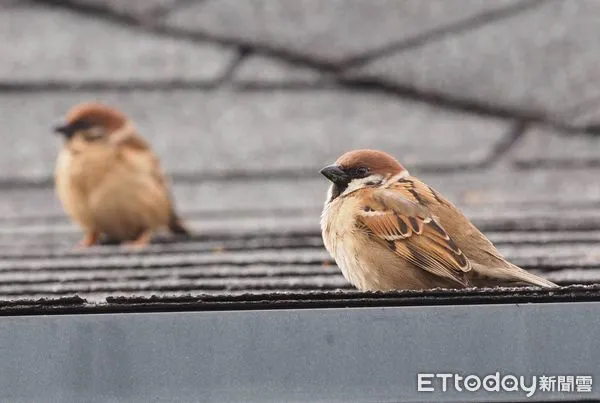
(387, 230)
(108, 179)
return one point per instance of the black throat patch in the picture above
(337, 189)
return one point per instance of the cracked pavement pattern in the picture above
(493, 102)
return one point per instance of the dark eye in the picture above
(360, 172)
(81, 125)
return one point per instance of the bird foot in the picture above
(142, 241)
(90, 239)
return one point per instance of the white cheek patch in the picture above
(355, 184)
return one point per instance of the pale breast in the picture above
(72, 197)
(337, 221)
(340, 237)
(81, 168)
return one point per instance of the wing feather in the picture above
(137, 151)
(414, 234)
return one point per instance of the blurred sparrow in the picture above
(387, 230)
(109, 180)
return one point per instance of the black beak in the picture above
(65, 130)
(335, 174)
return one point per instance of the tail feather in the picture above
(176, 226)
(509, 275)
(525, 276)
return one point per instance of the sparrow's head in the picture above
(91, 121)
(359, 169)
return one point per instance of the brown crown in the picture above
(97, 114)
(377, 161)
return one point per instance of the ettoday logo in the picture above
(497, 382)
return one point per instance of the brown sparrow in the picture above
(387, 230)
(109, 180)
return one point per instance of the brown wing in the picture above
(137, 151)
(411, 232)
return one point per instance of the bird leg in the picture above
(90, 238)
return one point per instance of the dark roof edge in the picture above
(313, 300)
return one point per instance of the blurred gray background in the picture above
(495, 103)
